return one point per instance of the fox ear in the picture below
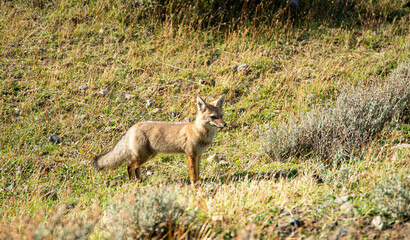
(220, 101)
(201, 104)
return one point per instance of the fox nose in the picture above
(224, 125)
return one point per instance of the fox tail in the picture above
(114, 157)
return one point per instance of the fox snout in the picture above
(219, 123)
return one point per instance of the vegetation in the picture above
(317, 143)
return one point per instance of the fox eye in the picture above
(213, 117)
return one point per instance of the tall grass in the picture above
(67, 67)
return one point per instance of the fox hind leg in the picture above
(134, 169)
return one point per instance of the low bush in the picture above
(340, 129)
(392, 198)
(144, 214)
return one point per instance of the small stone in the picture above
(95, 88)
(223, 162)
(343, 232)
(265, 53)
(276, 112)
(82, 117)
(296, 222)
(54, 138)
(202, 81)
(212, 158)
(155, 110)
(103, 92)
(175, 115)
(83, 87)
(150, 103)
(401, 146)
(101, 31)
(294, 4)
(347, 207)
(235, 68)
(312, 96)
(218, 218)
(378, 222)
(130, 96)
(244, 67)
(342, 199)
(149, 173)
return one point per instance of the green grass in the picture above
(48, 49)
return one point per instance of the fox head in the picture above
(211, 114)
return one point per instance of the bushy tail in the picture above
(114, 157)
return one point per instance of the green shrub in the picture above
(392, 197)
(344, 127)
(144, 214)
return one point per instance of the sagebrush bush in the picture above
(392, 197)
(58, 225)
(344, 127)
(143, 214)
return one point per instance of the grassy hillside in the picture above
(75, 75)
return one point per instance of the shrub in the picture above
(144, 214)
(58, 225)
(392, 197)
(344, 127)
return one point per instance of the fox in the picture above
(144, 140)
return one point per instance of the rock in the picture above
(102, 93)
(150, 103)
(83, 87)
(401, 146)
(212, 158)
(276, 111)
(82, 117)
(95, 88)
(312, 96)
(155, 110)
(54, 139)
(202, 81)
(295, 223)
(217, 219)
(343, 199)
(244, 67)
(130, 96)
(265, 53)
(347, 207)
(175, 115)
(223, 163)
(378, 222)
(294, 4)
(101, 31)
(235, 68)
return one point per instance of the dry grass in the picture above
(50, 50)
